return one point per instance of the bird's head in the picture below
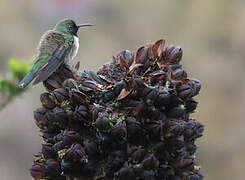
(69, 26)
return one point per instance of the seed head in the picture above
(130, 120)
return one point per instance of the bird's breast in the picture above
(74, 49)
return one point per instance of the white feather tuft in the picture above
(75, 48)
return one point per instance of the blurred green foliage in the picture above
(9, 84)
(18, 68)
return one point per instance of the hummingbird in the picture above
(57, 46)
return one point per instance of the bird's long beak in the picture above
(84, 25)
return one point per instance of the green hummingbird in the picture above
(57, 46)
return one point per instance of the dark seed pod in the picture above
(91, 149)
(77, 97)
(70, 83)
(139, 107)
(196, 84)
(185, 91)
(59, 137)
(52, 168)
(138, 84)
(96, 110)
(90, 85)
(94, 76)
(81, 113)
(176, 55)
(118, 88)
(66, 72)
(115, 162)
(107, 96)
(70, 137)
(133, 126)
(190, 105)
(155, 129)
(52, 83)
(49, 134)
(168, 51)
(60, 95)
(137, 154)
(146, 91)
(135, 132)
(186, 165)
(46, 100)
(191, 149)
(57, 115)
(151, 97)
(127, 57)
(193, 130)
(37, 171)
(106, 142)
(174, 127)
(39, 115)
(119, 132)
(48, 151)
(76, 153)
(103, 123)
(59, 146)
(175, 100)
(150, 162)
(178, 74)
(175, 144)
(177, 112)
(163, 98)
(173, 54)
(162, 155)
(149, 94)
(157, 114)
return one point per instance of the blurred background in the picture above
(210, 32)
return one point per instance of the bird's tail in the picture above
(27, 79)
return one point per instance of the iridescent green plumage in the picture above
(49, 43)
(56, 47)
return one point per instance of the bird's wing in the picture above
(53, 64)
(52, 51)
